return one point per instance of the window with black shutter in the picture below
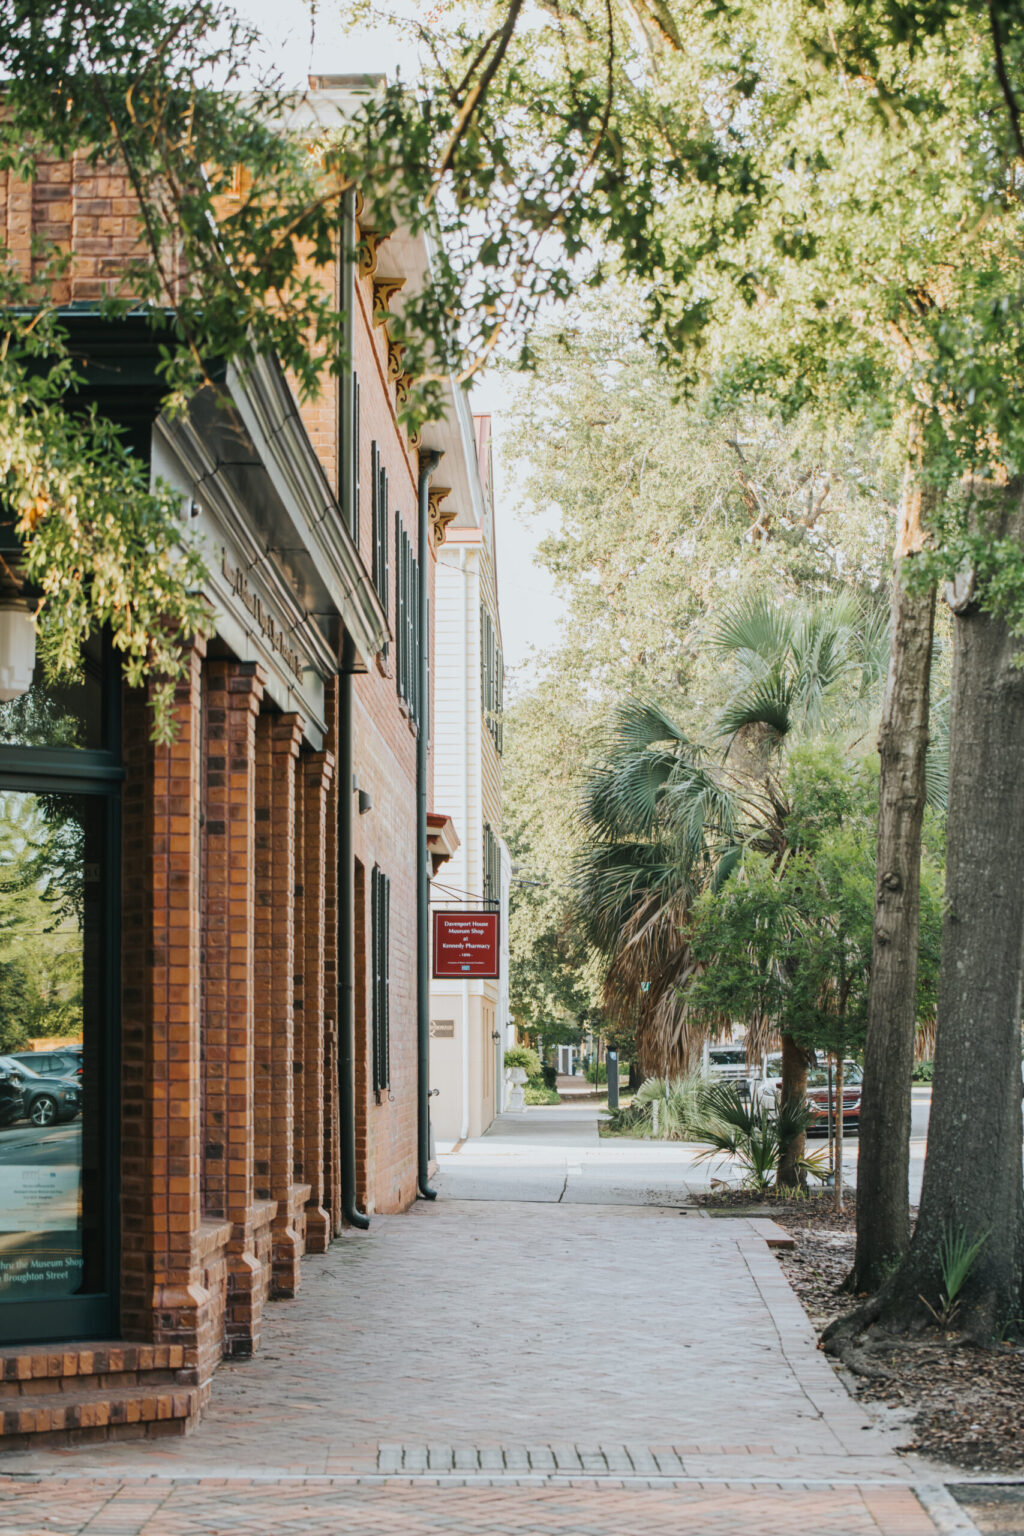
(379, 498)
(355, 458)
(492, 867)
(407, 624)
(380, 924)
(492, 678)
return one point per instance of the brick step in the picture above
(12, 1392)
(93, 1411)
(33, 1362)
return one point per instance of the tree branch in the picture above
(1004, 80)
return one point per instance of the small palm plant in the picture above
(957, 1257)
(757, 1136)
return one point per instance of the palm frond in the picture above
(758, 626)
(936, 763)
(766, 702)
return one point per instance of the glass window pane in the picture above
(67, 716)
(52, 994)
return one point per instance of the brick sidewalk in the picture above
(585, 1369)
(319, 1508)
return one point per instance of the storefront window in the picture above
(68, 715)
(53, 851)
(60, 794)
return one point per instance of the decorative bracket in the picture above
(439, 520)
(384, 290)
(370, 241)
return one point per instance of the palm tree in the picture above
(665, 818)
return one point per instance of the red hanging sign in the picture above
(466, 944)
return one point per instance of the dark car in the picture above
(818, 1097)
(44, 1100)
(63, 1062)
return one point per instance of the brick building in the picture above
(232, 923)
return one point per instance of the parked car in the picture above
(818, 1097)
(768, 1086)
(63, 1062)
(44, 1100)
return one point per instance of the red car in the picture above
(818, 1096)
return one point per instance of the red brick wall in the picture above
(255, 1021)
(164, 1298)
(385, 765)
(277, 750)
(80, 207)
(232, 699)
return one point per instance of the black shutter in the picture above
(414, 649)
(355, 458)
(399, 610)
(380, 923)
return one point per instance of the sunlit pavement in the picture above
(556, 1154)
(590, 1358)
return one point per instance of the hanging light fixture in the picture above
(17, 646)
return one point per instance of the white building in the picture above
(470, 1024)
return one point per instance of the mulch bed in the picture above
(960, 1404)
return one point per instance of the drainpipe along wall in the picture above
(429, 461)
(350, 1211)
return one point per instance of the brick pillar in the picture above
(163, 1295)
(233, 693)
(298, 983)
(332, 1108)
(317, 770)
(19, 222)
(277, 751)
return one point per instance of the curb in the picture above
(948, 1516)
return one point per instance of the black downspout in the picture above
(429, 461)
(350, 1212)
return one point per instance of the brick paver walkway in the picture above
(482, 1366)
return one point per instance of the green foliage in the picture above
(757, 1136)
(525, 1057)
(690, 877)
(597, 1072)
(924, 1071)
(785, 943)
(540, 1093)
(958, 1255)
(819, 210)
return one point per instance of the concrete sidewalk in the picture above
(517, 1366)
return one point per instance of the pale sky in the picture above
(530, 608)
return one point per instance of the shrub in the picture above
(550, 1072)
(523, 1056)
(756, 1135)
(537, 1093)
(923, 1071)
(596, 1072)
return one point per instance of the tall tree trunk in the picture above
(839, 1127)
(794, 1086)
(972, 1179)
(883, 1170)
